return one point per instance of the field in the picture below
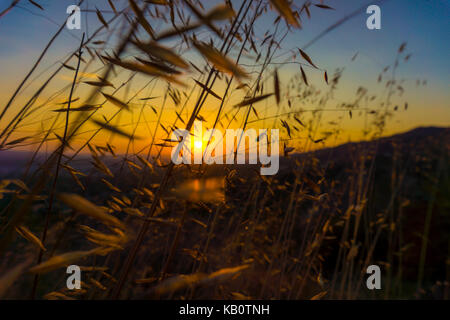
(87, 179)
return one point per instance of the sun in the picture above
(198, 144)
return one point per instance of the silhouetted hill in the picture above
(13, 163)
(410, 139)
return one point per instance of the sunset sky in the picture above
(423, 25)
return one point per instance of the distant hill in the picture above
(384, 145)
(12, 163)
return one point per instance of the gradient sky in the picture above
(423, 24)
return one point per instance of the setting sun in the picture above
(198, 144)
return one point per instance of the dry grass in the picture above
(308, 232)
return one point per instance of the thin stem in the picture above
(58, 165)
